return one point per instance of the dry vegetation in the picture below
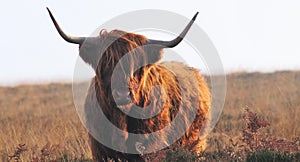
(39, 122)
(43, 118)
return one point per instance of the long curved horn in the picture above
(175, 41)
(66, 37)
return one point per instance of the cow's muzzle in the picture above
(122, 97)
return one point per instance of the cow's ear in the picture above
(103, 32)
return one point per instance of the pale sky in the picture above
(257, 35)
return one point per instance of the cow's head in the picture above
(105, 53)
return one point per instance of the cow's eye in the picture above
(133, 85)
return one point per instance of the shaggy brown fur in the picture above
(183, 89)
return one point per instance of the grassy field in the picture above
(43, 118)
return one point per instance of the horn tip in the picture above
(195, 16)
(49, 11)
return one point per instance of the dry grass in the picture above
(274, 96)
(43, 117)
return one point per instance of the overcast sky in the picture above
(257, 35)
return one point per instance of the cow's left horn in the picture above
(175, 41)
(66, 37)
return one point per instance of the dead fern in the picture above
(18, 151)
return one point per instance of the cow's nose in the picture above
(121, 96)
(122, 92)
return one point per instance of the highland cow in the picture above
(181, 89)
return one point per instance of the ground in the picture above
(42, 122)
